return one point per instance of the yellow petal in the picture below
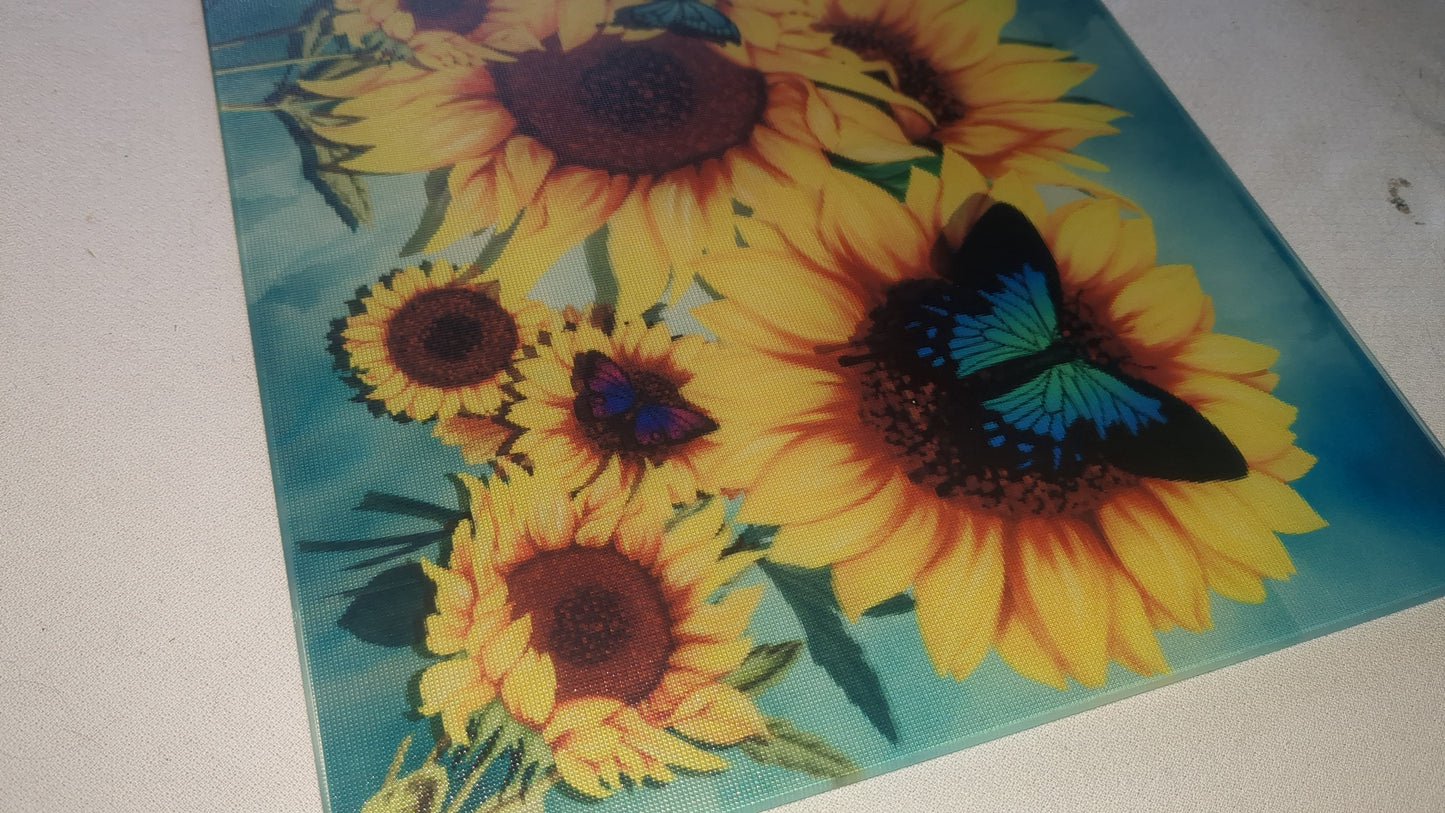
(507, 649)
(957, 598)
(1020, 647)
(580, 713)
(1282, 509)
(1290, 463)
(597, 745)
(1160, 307)
(1150, 547)
(1064, 581)
(442, 680)
(665, 748)
(807, 481)
(890, 566)
(1131, 637)
(1230, 579)
(809, 308)
(461, 707)
(580, 776)
(718, 714)
(848, 533)
(1215, 518)
(711, 658)
(699, 530)
(1086, 240)
(723, 621)
(529, 689)
(1229, 355)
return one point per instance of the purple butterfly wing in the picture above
(657, 424)
(605, 385)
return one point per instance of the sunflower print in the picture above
(660, 136)
(657, 429)
(1001, 105)
(1059, 578)
(435, 341)
(593, 625)
(438, 33)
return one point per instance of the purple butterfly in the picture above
(610, 395)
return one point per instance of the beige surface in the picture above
(150, 661)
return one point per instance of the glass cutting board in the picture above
(679, 405)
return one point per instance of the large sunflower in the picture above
(658, 135)
(998, 104)
(594, 627)
(622, 395)
(859, 460)
(435, 341)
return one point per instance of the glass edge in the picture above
(313, 720)
(1270, 231)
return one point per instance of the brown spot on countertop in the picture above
(1396, 184)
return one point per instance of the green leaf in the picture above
(750, 538)
(396, 504)
(901, 603)
(599, 266)
(809, 592)
(893, 176)
(345, 192)
(438, 197)
(315, 32)
(495, 245)
(406, 541)
(788, 747)
(390, 609)
(764, 666)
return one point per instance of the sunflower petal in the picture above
(957, 597)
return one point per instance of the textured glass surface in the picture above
(812, 205)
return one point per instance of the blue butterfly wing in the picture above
(1064, 395)
(700, 20)
(689, 18)
(1077, 411)
(1043, 405)
(657, 14)
(1020, 321)
(656, 424)
(605, 386)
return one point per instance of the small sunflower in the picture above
(657, 135)
(436, 31)
(864, 464)
(998, 104)
(622, 395)
(593, 626)
(428, 342)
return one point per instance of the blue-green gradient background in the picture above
(1377, 481)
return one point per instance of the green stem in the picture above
(280, 63)
(260, 35)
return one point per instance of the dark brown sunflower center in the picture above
(461, 16)
(638, 90)
(451, 337)
(633, 108)
(916, 75)
(946, 437)
(601, 616)
(588, 626)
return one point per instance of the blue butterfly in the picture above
(991, 332)
(688, 18)
(607, 394)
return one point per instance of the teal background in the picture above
(1377, 479)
